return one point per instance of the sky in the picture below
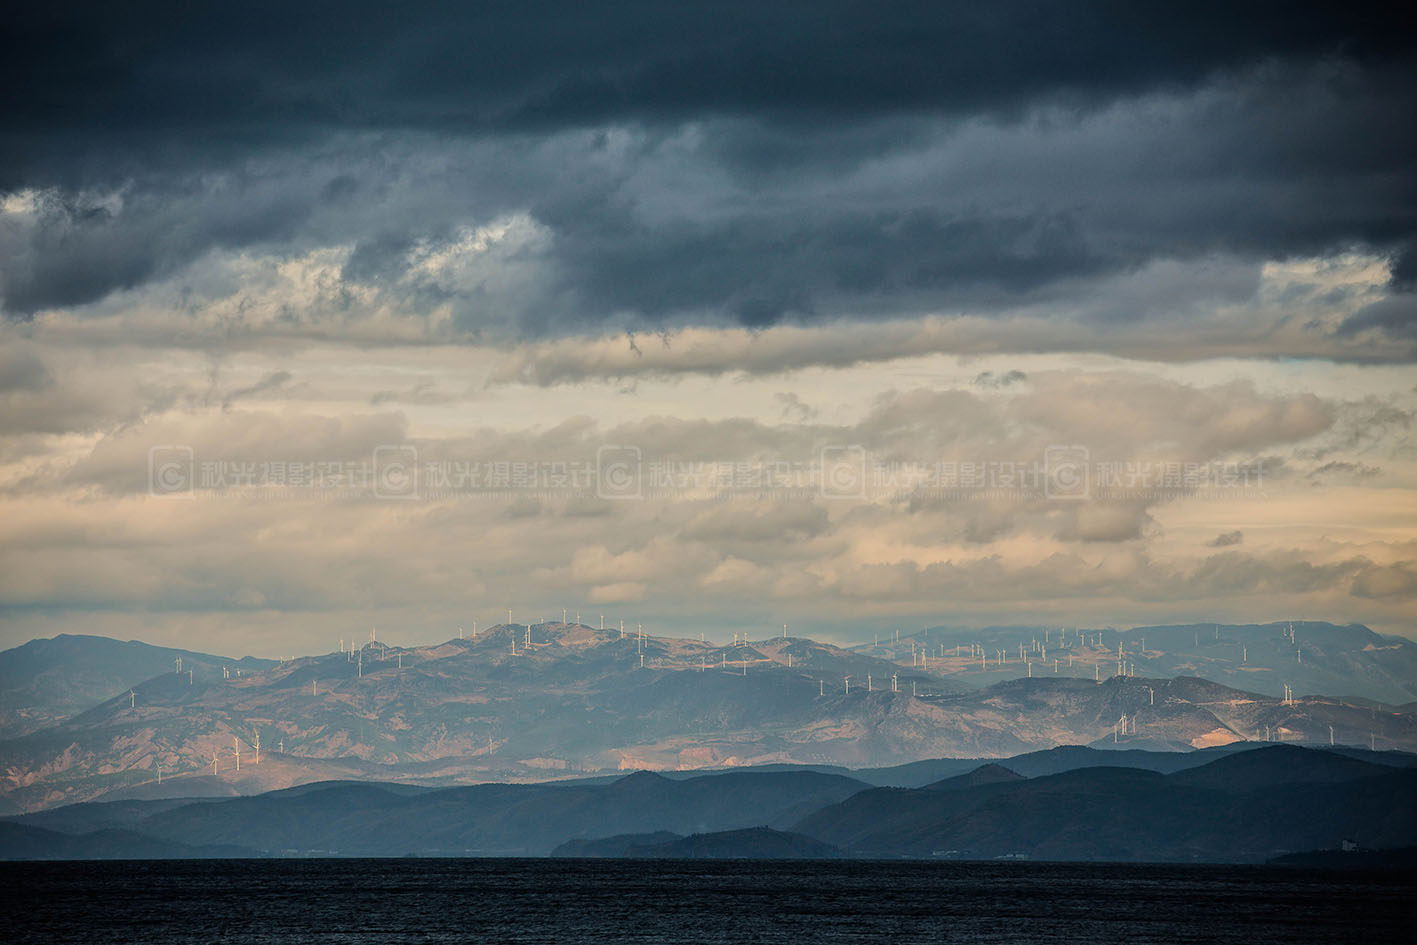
(711, 317)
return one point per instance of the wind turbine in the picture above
(132, 698)
(237, 752)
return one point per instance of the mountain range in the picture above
(557, 701)
(1311, 657)
(1245, 805)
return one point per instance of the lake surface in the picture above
(668, 902)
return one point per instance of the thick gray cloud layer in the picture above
(675, 164)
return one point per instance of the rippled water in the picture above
(666, 902)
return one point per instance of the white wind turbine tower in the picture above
(848, 685)
(258, 748)
(237, 751)
(178, 661)
(132, 698)
(215, 756)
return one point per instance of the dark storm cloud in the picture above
(846, 161)
(97, 68)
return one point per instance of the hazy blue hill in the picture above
(44, 681)
(489, 819)
(1070, 757)
(613, 847)
(1392, 759)
(752, 843)
(1245, 807)
(1404, 858)
(1273, 765)
(97, 815)
(333, 817)
(20, 842)
(984, 774)
(1034, 764)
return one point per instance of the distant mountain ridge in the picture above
(561, 700)
(46, 681)
(1311, 657)
(1244, 806)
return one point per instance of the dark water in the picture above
(666, 902)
